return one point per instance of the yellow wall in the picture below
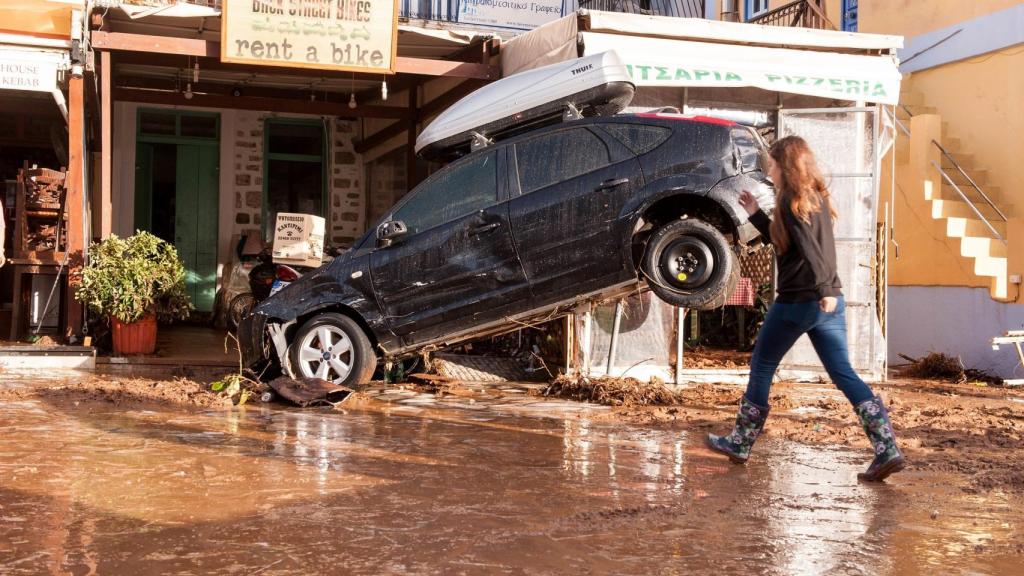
(978, 101)
(913, 17)
(47, 18)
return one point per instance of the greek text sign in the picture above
(518, 14)
(28, 75)
(663, 62)
(351, 35)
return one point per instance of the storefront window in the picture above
(295, 178)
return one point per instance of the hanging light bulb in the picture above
(384, 90)
(188, 91)
(352, 101)
(195, 72)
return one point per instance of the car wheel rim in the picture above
(326, 353)
(686, 263)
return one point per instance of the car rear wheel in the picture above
(332, 347)
(688, 263)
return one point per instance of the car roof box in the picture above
(595, 85)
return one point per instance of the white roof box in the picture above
(595, 85)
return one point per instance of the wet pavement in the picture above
(462, 486)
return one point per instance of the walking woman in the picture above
(809, 302)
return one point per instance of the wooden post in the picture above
(75, 206)
(411, 178)
(106, 144)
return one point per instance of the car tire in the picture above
(345, 353)
(688, 263)
(239, 308)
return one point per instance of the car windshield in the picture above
(753, 154)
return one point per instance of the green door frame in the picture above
(268, 156)
(141, 138)
(211, 151)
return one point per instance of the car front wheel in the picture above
(688, 263)
(332, 347)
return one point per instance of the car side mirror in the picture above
(390, 231)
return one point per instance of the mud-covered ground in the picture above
(974, 432)
(134, 476)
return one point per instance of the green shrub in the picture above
(130, 278)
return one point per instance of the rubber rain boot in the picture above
(888, 459)
(749, 423)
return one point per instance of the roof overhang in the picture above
(692, 52)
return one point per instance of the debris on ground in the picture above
(707, 358)
(310, 391)
(613, 391)
(123, 391)
(938, 366)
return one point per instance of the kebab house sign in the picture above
(349, 35)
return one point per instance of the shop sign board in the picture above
(24, 74)
(664, 62)
(345, 35)
(516, 14)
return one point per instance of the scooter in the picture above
(266, 278)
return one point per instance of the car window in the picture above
(638, 137)
(751, 150)
(559, 156)
(451, 193)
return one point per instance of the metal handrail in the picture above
(899, 123)
(969, 203)
(971, 180)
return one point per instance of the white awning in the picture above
(663, 62)
(691, 52)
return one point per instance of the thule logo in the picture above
(582, 69)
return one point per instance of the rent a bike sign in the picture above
(347, 35)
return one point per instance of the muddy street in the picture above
(405, 483)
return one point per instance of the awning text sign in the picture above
(349, 35)
(37, 76)
(517, 14)
(661, 62)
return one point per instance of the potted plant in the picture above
(135, 281)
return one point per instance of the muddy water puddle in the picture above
(92, 488)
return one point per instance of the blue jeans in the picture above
(787, 321)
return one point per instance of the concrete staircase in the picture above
(978, 238)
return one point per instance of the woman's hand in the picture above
(749, 203)
(828, 304)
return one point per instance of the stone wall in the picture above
(346, 205)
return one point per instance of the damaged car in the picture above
(520, 229)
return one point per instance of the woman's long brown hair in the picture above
(802, 186)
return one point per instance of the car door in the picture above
(456, 266)
(569, 187)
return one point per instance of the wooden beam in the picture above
(294, 106)
(106, 145)
(411, 178)
(448, 98)
(199, 48)
(379, 137)
(74, 204)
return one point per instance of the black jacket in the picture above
(807, 271)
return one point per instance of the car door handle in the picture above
(613, 183)
(484, 228)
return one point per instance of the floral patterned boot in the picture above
(888, 459)
(749, 423)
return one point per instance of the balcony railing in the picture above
(802, 13)
(449, 10)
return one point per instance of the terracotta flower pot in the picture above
(138, 337)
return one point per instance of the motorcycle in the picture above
(266, 278)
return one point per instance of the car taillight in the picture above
(703, 119)
(286, 274)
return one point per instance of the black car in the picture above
(525, 229)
